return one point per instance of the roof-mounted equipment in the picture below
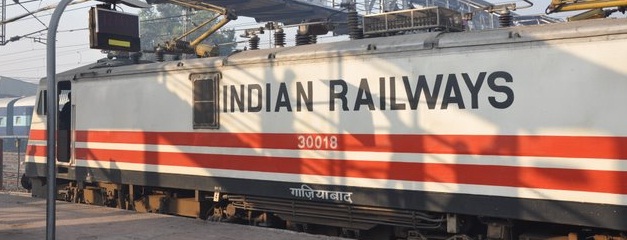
(430, 18)
(504, 12)
(576, 5)
(595, 8)
(178, 45)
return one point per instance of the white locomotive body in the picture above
(522, 123)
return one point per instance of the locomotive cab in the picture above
(34, 177)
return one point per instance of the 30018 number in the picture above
(317, 142)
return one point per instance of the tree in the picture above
(163, 22)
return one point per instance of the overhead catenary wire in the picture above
(79, 49)
(27, 55)
(30, 58)
(41, 49)
(34, 51)
(32, 15)
(82, 48)
(39, 67)
(13, 4)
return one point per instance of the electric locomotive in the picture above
(516, 132)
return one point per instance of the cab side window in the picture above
(41, 102)
(205, 100)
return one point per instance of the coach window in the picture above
(205, 89)
(18, 121)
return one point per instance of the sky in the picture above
(26, 59)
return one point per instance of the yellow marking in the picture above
(119, 43)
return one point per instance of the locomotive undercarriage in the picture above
(350, 221)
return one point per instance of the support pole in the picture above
(52, 107)
(1, 163)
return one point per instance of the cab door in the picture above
(65, 126)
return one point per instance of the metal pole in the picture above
(52, 107)
(1, 164)
(17, 178)
(3, 29)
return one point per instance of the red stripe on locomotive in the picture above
(511, 176)
(528, 177)
(499, 145)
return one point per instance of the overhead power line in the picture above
(24, 59)
(13, 4)
(30, 15)
(40, 67)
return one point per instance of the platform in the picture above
(23, 218)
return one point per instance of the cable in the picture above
(49, 14)
(235, 27)
(72, 30)
(38, 49)
(29, 58)
(27, 79)
(13, 4)
(32, 14)
(164, 18)
(38, 67)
